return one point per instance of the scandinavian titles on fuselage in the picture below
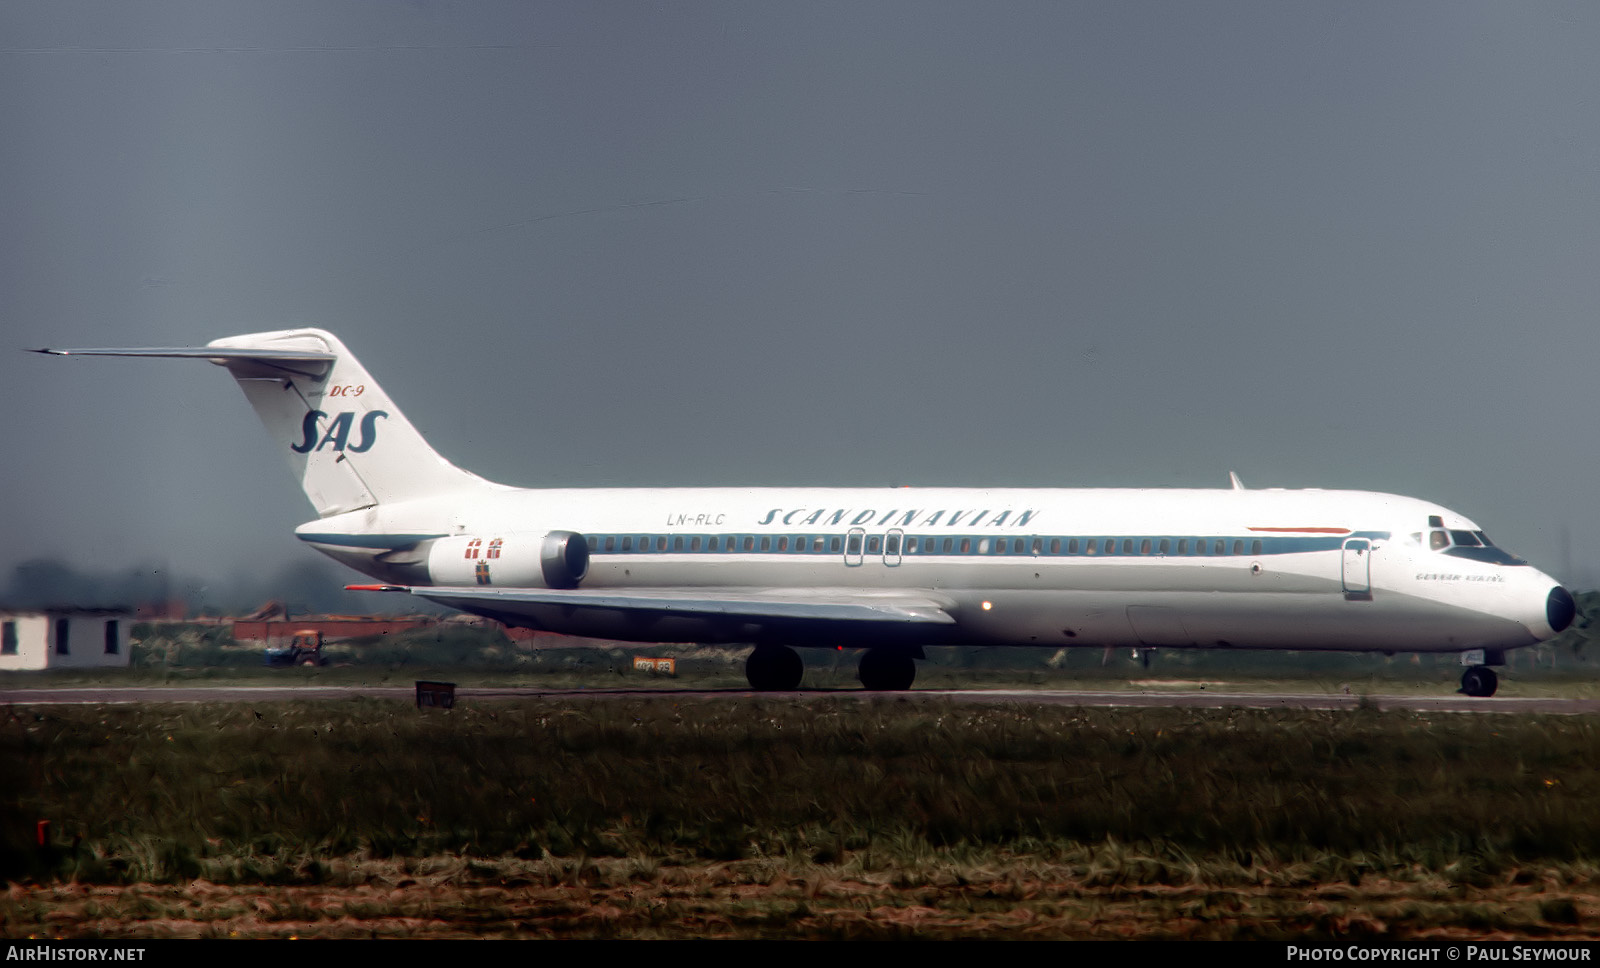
(897, 517)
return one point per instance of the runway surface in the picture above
(1199, 699)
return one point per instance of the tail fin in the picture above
(346, 442)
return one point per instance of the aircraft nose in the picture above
(1559, 608)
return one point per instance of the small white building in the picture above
(64, 638)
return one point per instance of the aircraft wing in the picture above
(888, 606)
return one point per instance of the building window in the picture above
(8, 638)
(111, 637)
(61, 636)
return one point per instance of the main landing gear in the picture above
(887, 670)
(774, 668)
(777, 668)
(1479, 682)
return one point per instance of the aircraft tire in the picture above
(886, 670)
(774, 668)
(1479, 682)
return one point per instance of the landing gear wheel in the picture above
(1479, 682)
(773, 668)
(883, 670)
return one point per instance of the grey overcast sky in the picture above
(1343, 245)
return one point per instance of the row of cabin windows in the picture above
(912, 545)
(8, 637)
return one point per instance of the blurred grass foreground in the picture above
(772, 817)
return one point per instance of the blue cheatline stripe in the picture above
(912, 546)
(968, 545)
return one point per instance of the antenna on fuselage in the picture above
(1233, 479)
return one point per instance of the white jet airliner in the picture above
(888, 570)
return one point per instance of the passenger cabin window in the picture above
(111, 637)
(62, 626)
(8, 638)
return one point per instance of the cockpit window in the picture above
(1472, 545)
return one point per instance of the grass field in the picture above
(771, 818)
(206, 655)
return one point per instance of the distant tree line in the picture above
(305, 586)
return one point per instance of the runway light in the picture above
(987, 606)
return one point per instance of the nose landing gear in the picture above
(1479, 682)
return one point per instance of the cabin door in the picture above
(1357, 569)
(853, 540)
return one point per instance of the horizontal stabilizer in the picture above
(824, 604)
(312, 363)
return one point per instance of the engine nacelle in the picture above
(555, 559)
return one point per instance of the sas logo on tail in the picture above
(338, 432)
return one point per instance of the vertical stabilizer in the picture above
(345, 440)
(349, 446)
